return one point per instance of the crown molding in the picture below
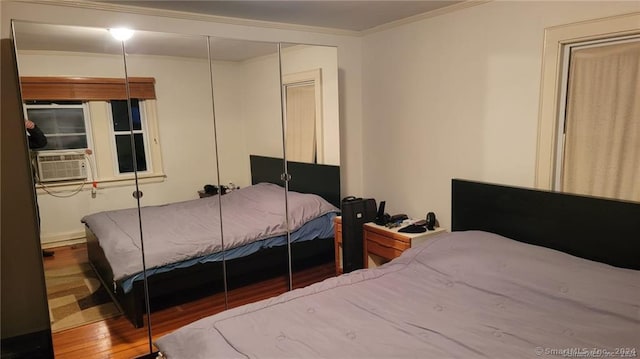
(103, 6)
(425, 15)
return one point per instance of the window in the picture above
(65, 124)
(599, 143)
(122, 136)
(555, 44)
(91, 113)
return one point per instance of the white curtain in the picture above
(301, 123)
(602, 141)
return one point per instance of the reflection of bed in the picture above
(469, 293)
(183, 241)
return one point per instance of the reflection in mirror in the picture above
(249, 128)
(310, 95)
(107, 114)
(312, 137)
(70, 77)
(180, 220)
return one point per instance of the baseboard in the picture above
(64, 242)
(28, 346)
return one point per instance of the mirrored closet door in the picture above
(201, 171)
(74, 88)
(177, 176)
(250, 147)
(312, 142)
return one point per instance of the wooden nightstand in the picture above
(382, 244)
(337, 242)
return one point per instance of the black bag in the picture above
(355, 213)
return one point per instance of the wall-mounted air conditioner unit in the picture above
(61, 166)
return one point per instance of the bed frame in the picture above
(599, 229)
(180, 285)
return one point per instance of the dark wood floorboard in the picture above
(117, 338)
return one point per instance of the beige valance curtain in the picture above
(602, 141)
(301, 123)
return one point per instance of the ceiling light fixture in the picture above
(121, 33)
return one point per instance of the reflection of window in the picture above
(64, 124)
(98, 100)
(301, 122)
(122, 134)
(303, 116)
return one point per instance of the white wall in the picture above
(457, 95)
(261, 108)
(233, 154)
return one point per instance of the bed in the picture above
(183, 249)
(523, 273)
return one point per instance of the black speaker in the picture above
(355, 213)
(431, 221)
(382, 217)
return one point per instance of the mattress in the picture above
(461, 294)
(176, 233)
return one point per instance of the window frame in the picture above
(562, 107)
(145, 138)
(556, 40)
(86, 118)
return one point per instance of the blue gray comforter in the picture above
(458, 295)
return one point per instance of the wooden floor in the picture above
(117, 338)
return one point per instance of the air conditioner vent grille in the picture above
(61, 166)
(68, 157)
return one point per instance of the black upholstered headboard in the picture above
(323, 180)
(598, 229)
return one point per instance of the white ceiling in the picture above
(335, 14)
